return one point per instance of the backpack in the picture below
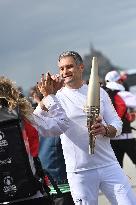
(18, 177)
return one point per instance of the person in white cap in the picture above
(115, 81)
(112, 76)
(125, 143)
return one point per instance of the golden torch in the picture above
(93, 103)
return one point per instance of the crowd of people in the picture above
(57, 115)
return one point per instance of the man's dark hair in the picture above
(78, 59)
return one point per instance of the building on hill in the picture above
(104, 64)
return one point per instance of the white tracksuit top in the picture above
(75, 140)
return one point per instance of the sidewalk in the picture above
(130, 171)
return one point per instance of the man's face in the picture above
(71, 72)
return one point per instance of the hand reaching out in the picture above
(50, 84)
(45, 86)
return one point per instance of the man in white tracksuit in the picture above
(88, 173)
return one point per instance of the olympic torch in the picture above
(93, 103)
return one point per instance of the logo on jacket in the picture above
(9, 187)
(3, 142)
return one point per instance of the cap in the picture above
(115, 86)
(112, 76)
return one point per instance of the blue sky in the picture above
(34, 32)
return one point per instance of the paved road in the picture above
(130, 171)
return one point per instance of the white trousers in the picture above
(111, 180)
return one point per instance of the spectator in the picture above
(11, 99)
(125, 143)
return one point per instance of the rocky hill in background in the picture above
(104, 64)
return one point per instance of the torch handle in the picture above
(92, 114)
